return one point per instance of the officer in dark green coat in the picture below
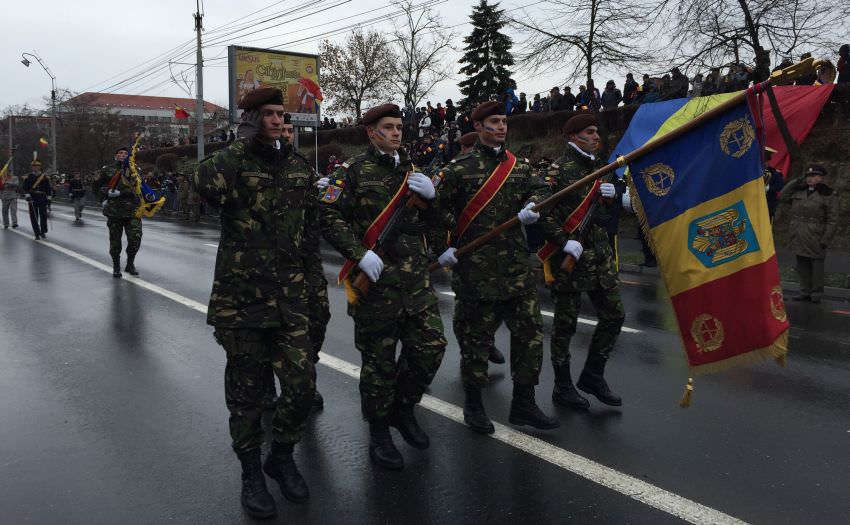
(813, 223)
(119, 207)
(401, 304)
(496, 283)
(258, 304)
(595, 272)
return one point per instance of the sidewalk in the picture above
(836, 262)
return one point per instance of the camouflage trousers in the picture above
(610, 315)
(320, 312)
(385, 379)
(475, 325)
(133, 228)
(251, 353)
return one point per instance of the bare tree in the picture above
(357, 72)
(577, 37)
(713, 33)
(420, 43)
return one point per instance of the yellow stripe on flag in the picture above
(682, 268)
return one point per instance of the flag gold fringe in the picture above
(350, 293)
(689, 392)
(149, 209)
(548, 277)
(777, 351)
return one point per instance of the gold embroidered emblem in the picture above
(777, 305)
(737, 137)
(720, 237)
(658, 178)
(707, 332)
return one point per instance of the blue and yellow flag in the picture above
(701, 202)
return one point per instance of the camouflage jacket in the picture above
(360, 189)
(596, 267)
(123, 206)
(501, 268)
(264, 195)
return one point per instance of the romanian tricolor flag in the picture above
(701, 202)
(180, 112)
(42, 142)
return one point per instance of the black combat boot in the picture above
(593, 382)
(381, 447)
(405, 422)
(281, 467)
(131, 268)
(565, 393)
(473, 412)
(318, 401)
(496, 356)
(524, 411)
(116, 266)
(256, 500)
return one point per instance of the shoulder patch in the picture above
(331, 194)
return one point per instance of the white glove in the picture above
(372, 265)
(323, 183)
(607, 190)
(527, 215)
(627, 201)
(448, 258)
(573, 248)
(113, 193)
(49, 198)
(422, 185)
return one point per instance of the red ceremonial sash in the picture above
(572, 222)
(375, 229)
(485, 194)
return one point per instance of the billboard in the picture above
(295, 74)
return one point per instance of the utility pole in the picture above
(11, 147)
(199, 71)
(53, 144)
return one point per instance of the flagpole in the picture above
(803, 68)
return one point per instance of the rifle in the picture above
(584, 226)
(388, 236)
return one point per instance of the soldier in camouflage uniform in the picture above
(317, 285)
(495, 283)
(258, 304)
(401, 303)
(120, 211)
(595, 272)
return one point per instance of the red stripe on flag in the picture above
(746, 304)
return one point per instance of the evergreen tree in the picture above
(486, 57)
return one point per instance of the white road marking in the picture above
(627, 485)
(582, 320)
(210, 244)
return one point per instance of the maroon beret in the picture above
(486, 109)
(258, 97)
(378, 112)
(579, 122)
(468, 139)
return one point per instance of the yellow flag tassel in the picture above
(350, 293)
(689, 392)
(781, 360)
(548, 277)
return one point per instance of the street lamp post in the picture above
(53, 144)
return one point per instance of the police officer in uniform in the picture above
(119, 208)
(595, 272)
(401, 304)
(259, 304)
(495, 283)
(38, 191)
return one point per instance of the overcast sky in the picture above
(89, 44)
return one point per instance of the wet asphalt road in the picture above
(112, 411)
